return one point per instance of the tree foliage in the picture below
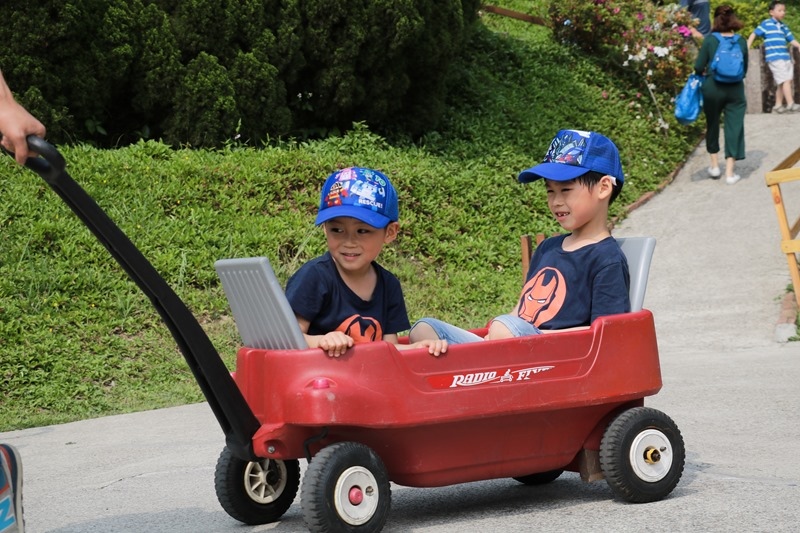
(200, 72)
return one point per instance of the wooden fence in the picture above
(783, 174)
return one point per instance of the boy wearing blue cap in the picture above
(344, 296)
(573, 278)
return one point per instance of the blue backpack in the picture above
(728, 62)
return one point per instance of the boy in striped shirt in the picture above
(777, 37)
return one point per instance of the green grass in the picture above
(79, 340)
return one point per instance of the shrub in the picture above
(646, 43)
(112, 71)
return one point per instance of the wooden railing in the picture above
(790, 244)
(514, 15)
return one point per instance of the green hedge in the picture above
(200, 72)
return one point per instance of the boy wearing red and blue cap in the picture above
(573, 278)
(344, 296)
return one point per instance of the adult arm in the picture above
(16, 124)
(703, 57)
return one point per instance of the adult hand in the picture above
(16, 124)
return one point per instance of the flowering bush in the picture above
(649, 43)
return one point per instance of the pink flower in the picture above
(640, 16)
(616, 10)
(605, 95)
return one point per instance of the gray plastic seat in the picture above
(639, 253)
(260, 309)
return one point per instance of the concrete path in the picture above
(718, 275)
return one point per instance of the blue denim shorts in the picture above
(456, 335)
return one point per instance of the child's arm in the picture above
(436, 347)
(335, 343)
(751, 39)
(576, 328)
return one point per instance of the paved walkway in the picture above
(718, 275)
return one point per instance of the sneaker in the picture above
(730, 180)
(781, 109)
(714, 172)
(794, 108)
(11, 519)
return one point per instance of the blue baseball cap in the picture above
(360, 193)
(572, 154)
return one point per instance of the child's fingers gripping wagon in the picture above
(527, 408)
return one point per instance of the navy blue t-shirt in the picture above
(317, 293)
(569, 289)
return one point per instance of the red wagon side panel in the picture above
(488, 409)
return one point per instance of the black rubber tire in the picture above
(642, 455)
(541, 478)
(331, 476)
(255, 492)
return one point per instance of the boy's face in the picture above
(575, 205)
(354, 244)
(778, 12)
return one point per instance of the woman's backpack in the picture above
(728, 63)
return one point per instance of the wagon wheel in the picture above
(345, 489)
(255, 492)
(541, 478)
(642, 455)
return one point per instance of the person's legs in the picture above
(783, 72)
(712, 108)
(11, 518)
(735, 110)
(780, 92)
(786, 88)
(507, 326)
(431, 328)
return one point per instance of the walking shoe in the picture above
(714, 172)
(730, 180)
(11, 519)
(781, 109)
(794, 108)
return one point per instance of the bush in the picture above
(641, 41)
(114, 71)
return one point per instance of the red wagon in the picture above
(527, 408)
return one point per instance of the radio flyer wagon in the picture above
(526, 408)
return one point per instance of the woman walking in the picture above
(723, 97)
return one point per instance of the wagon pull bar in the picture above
(229, 406)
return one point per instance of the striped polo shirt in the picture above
(777, 36)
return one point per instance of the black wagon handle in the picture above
(50, 164)
(225, 399)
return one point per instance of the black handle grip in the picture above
(50, 163)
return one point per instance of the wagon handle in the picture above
(225, 399)
(51, 163)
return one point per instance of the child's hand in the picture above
(436, 347)
(335, 343)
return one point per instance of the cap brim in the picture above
(376, 220)
(552, 171)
